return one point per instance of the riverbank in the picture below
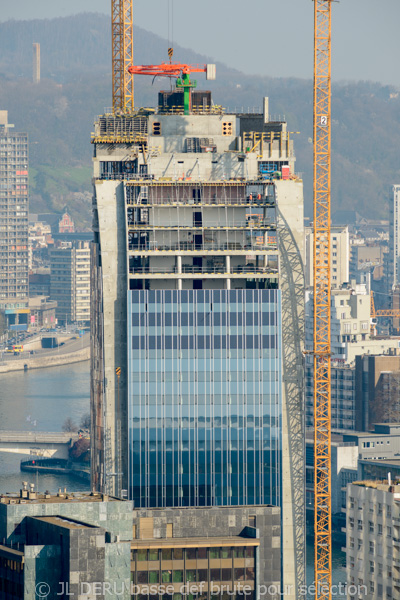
(55, 467)
(50, 360)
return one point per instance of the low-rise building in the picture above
(65, 542)
(373, 540)
(381, 444)
(211, 551)
(89, 545)
(43, 312)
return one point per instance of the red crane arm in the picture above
(166, 69)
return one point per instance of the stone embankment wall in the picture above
(38, 362)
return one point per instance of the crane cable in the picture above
(170, 29)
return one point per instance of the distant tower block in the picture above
(36, 63)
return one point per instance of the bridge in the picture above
(37, 443)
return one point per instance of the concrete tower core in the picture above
(198, 314)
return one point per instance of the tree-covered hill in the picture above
(76, 86)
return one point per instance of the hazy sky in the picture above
(268, 37)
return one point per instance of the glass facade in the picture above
(210, 572)
(204, 397)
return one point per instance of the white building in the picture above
(350, 337)
(373, 540)
(340, 255)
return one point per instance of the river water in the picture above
(42, 399)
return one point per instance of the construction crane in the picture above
(122, 56)
(394, 313)
(180, 72)
(322, 299)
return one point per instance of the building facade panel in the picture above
(204, 397)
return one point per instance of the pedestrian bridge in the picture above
(37, 443)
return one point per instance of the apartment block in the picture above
(70, 282)
(340, 256)
(14, 206)
(343, 406)
(373, 539)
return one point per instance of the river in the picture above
(49, 397)
(41, 400)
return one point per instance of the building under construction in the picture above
(198, 312)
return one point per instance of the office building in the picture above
(14, 205)
(373, 539)
(343, 404)
(197, 261)
(344, 455)
(377, 389)
(70, 282)
(340, 256)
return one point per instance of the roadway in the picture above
(68, 347)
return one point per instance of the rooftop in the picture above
(195, 542)
(385, 462)
(64, 522)
(31, 497)
(380, 485)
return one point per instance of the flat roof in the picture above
(386, 462)
(11, 553)
(378, 485)
(67, 497)
(65, 522)
(193, 542)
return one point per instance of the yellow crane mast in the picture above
(122, 55)
(322, 299)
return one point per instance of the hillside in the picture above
(76, 86)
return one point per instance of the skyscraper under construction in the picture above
(197, 312)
